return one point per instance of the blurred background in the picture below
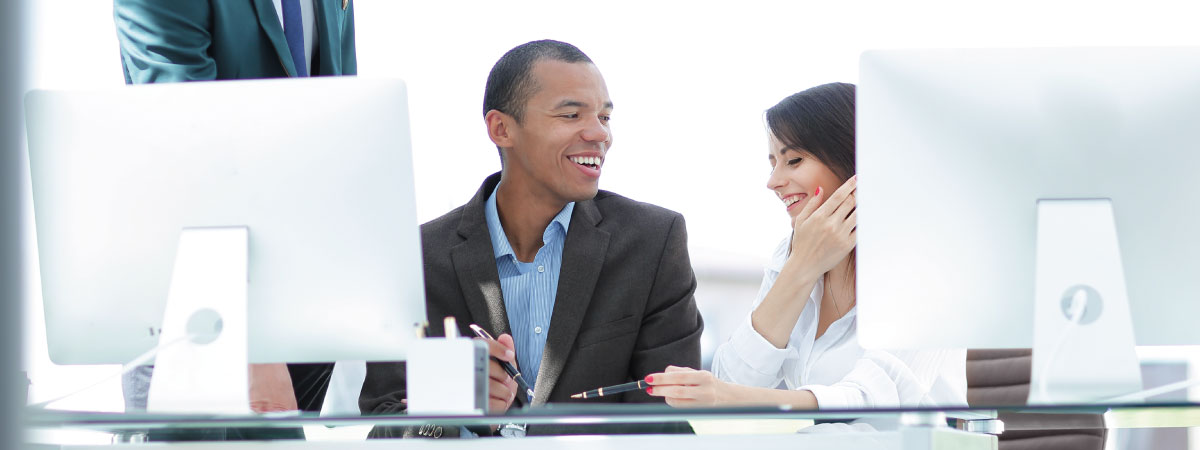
(689, 79)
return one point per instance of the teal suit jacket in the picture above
(193, 40)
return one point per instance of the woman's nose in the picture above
(775, 181)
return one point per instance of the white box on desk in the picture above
(447, 376)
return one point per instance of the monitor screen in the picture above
(319, 170)
(956, 148)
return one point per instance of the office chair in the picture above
(1001, 378)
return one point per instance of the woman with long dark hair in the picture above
(802, 331)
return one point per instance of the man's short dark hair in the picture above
(511, 82)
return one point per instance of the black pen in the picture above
(512, 371)
(610, 390)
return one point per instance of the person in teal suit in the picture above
(178, 40)
(198, 40)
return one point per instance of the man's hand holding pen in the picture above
(508, 365)
(502, 389)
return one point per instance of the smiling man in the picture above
(584, 288)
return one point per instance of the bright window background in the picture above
(690, 80)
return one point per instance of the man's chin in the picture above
(583, 194)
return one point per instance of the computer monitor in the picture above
(959, 149)
(319, 171)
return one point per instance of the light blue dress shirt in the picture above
(529, 288)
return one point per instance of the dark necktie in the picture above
(293, 30)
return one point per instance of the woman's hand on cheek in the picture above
(684, 387)
(823, 235)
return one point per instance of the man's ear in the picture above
(500, 127)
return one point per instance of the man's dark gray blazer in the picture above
(624, 307)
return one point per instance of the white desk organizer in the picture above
(448, 376)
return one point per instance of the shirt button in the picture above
(537, 330)
(541, 269)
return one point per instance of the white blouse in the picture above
(839, 372)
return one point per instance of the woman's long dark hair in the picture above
(820, 122)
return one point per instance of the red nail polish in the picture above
(649, 390)
(818, 191)
(649, 378)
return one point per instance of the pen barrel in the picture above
(523, 386)
(635, 386)
(613, 390)
(509, 369)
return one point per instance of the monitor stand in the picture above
(201, 366)
(1079, 275)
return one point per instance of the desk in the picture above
(735, 428)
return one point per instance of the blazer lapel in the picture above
(326, 13)
(269, 19)
(582, 259)
(475, 265)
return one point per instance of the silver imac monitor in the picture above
(318, 170)
(968, 159)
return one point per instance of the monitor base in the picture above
(1083, 334)
(202, 366)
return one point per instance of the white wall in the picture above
(690, 80)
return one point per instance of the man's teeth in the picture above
(587, 160)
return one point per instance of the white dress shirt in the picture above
(310, 25)
(839, 372)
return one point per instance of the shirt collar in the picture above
(500, 244)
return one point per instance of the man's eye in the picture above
(794, 161)
(570, 116)
(605, 118)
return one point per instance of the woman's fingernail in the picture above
(818, 191)
(649, 378)
(649, 390)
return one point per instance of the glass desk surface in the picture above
(1116, 416)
